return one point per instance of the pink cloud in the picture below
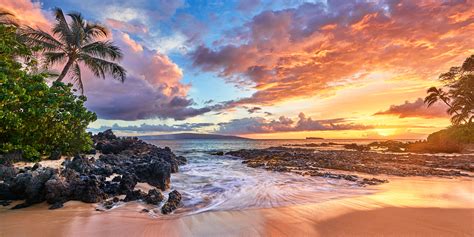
(416, 108)
(256, 125)
(153, 87)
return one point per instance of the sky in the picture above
(272, 69)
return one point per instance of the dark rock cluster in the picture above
(85, 179)
(337, 163)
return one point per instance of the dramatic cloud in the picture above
(416, 109)
(153, 87)
(147, 128)
(26, 12)
(284, 124)
(298, 52)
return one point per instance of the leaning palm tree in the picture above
(460, 95)
(77, 42)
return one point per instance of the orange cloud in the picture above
(303, 51)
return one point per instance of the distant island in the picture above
(191, 136)
(314, 138)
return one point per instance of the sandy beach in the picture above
(403, 207)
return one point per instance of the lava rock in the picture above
(7, 173)
(157, 174)
(135, 195)
(174, 200)
(127, 183)
(56, 205)
(57, 190)
(154, 197)
(36, 166)
(88, 190)
(6, 194)
(80, 164)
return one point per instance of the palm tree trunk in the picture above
(450, 106)
(68, 65)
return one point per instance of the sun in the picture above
(385, 132)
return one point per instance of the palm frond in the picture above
(99, 67)
(37, 37)
(103, 49)
(94, 30)
(431, 99)
(61, 28)
(52, 58)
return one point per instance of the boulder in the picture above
(134, 196)
(35, 190)
(20, 183)
(157, 174)
(154, 197)
(127, 183)
(80, 164)
(7, 173)
(58, 190)
(174, 200)
(88, 190)
(6, 194)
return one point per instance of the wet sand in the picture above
(403, 207)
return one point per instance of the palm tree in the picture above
(77, 42)
(434, 95)
(460, 96)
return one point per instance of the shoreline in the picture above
(410, 205)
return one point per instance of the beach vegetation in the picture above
(36, 118)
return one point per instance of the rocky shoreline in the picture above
(111, 179)
(349, 164)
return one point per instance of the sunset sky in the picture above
(272, 69)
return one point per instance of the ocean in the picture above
(209, 182)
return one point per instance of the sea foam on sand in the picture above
(405, 206)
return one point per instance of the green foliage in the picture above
(450, 140)
(37, 119)
(462, 134)
(459, 94)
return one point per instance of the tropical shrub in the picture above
(449, 140)
(37, 119)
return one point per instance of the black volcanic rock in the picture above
(174, 200)
(154, 197)
(84, 178)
